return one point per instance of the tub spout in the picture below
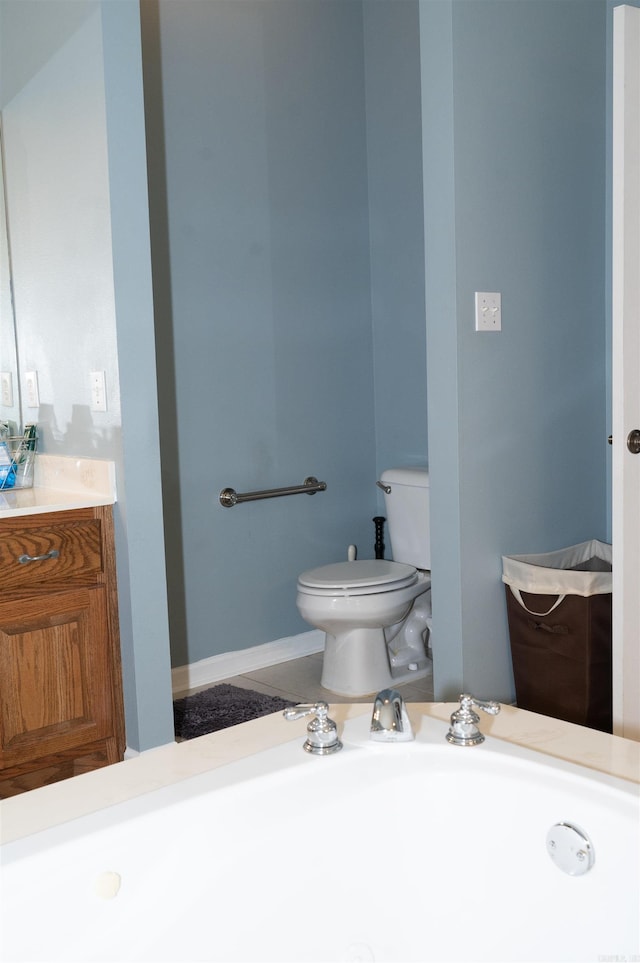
(390, 720)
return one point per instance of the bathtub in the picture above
(409, 852)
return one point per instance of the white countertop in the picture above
(39, 809)
(62, 483)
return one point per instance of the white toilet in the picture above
(377, 614)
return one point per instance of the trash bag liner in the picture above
(559, 613)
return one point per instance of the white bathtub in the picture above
(409, 852)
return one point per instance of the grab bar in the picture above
(229, 497)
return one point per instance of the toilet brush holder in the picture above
(379, 521)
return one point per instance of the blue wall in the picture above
(270, 350)
(396, 232)
(286, 139)
(514, 148)
(140, 546)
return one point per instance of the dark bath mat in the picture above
(220, 707)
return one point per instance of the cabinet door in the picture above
(55, 685)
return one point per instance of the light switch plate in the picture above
(488, 311)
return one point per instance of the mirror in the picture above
(9, 381)
(59, 240)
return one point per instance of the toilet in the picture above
(376, 614)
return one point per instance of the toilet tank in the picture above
(407, 511)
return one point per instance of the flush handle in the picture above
(633, 441)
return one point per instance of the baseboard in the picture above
(228, 664)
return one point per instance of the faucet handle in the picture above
(464, 721)
(322, 732)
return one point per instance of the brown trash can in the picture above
(560, 633)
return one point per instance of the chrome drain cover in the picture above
(570, 849)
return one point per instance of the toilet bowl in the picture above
(375, 615)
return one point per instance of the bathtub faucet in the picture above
(390, 720)
(464, 721)
(322, 732)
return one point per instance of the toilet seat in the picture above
(367, 577)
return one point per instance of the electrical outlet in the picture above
(6, 389)
(31, 384)
(98, 391)
(488, 311)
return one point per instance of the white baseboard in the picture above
(228, 664)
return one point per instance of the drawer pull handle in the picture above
(38, 558)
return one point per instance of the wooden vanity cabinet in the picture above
(61, 708)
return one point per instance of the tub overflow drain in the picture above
(570, 849)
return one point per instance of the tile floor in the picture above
(299, 681)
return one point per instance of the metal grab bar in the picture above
(229, 497)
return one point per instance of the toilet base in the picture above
(357, 664)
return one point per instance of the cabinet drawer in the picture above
(44, 556)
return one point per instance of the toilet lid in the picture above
(363, 577)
